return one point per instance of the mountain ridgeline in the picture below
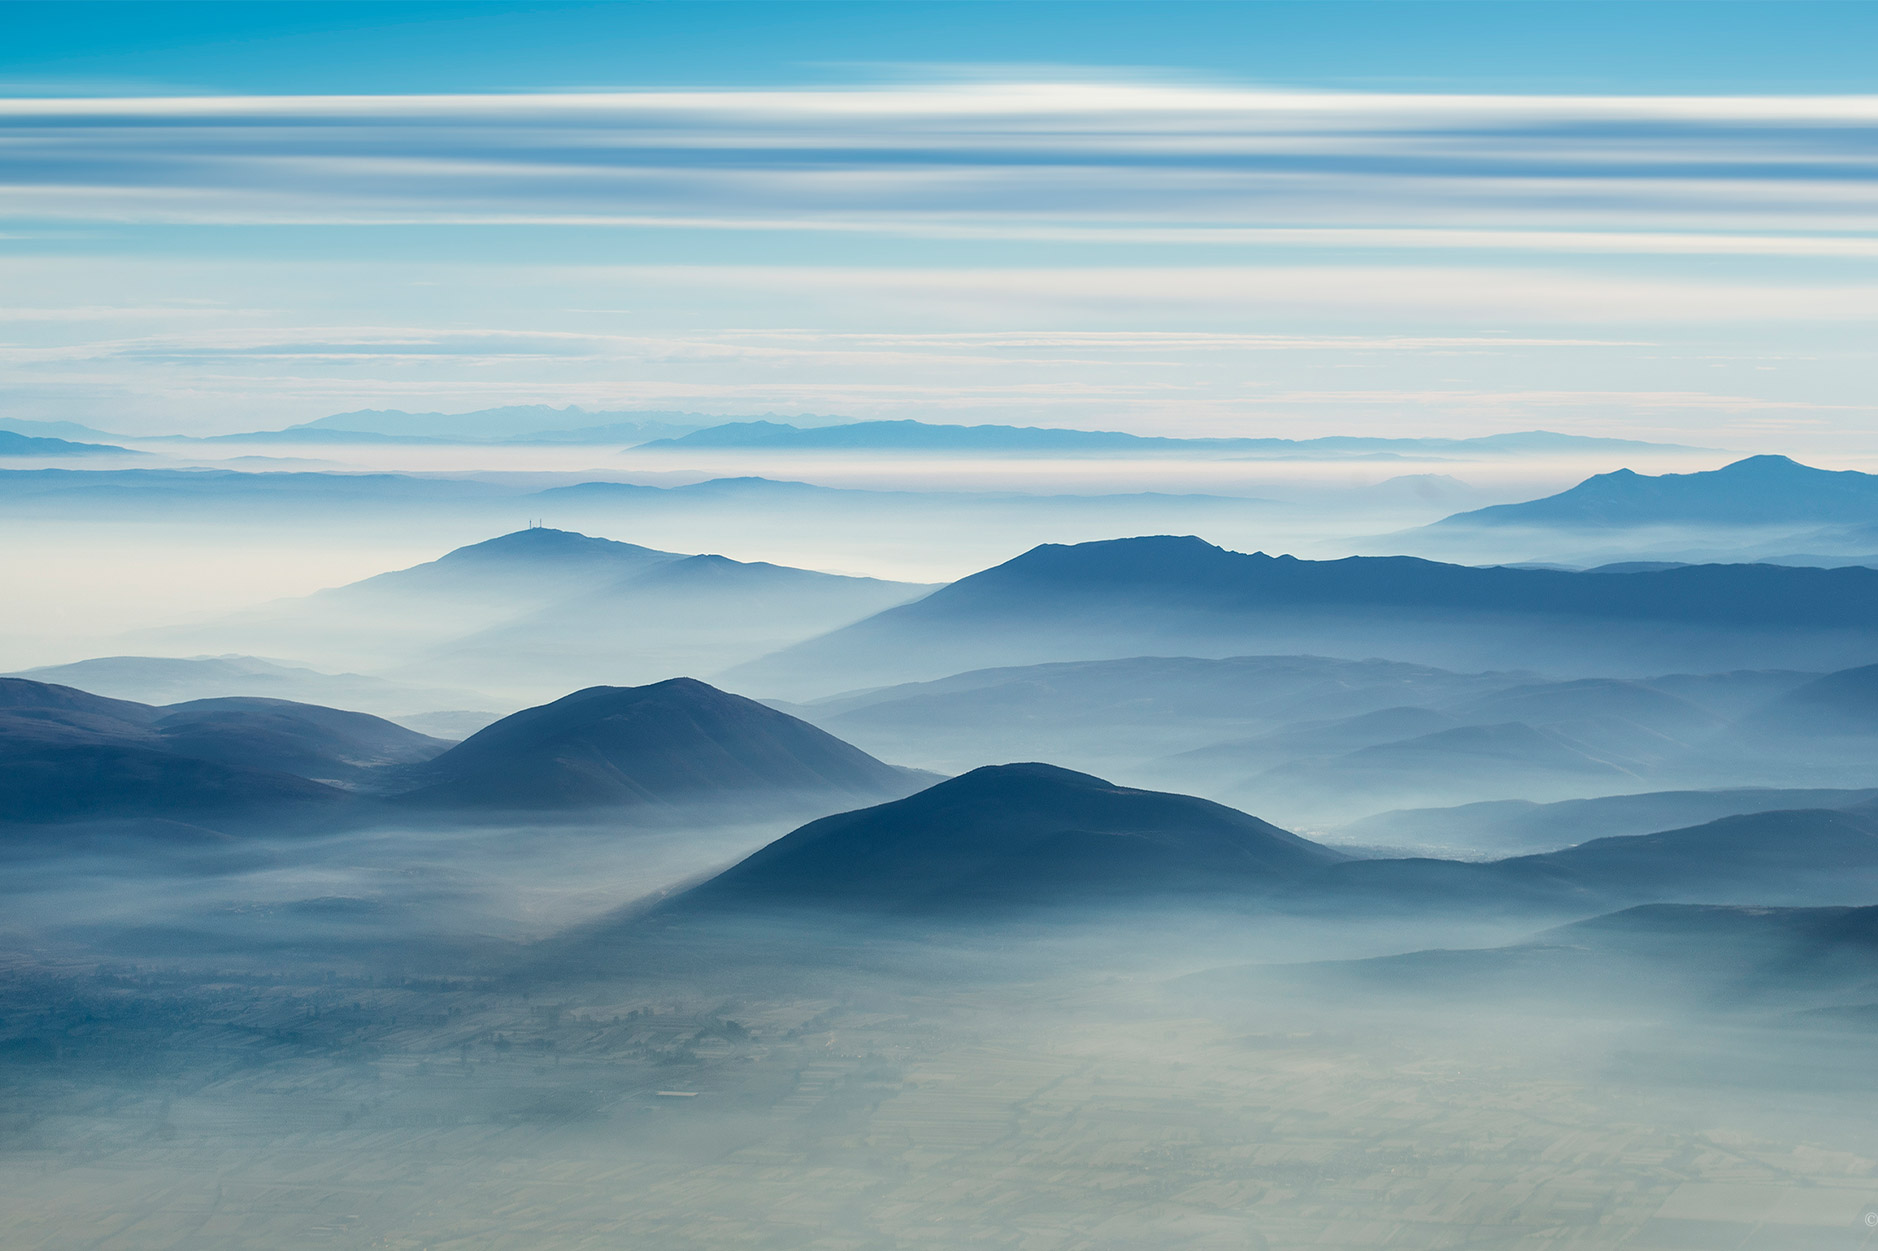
(1169, 595)
(1757, 491)
(678, 741)
(529, 615)
(66, 755)
(1013, 836)
(919, 436)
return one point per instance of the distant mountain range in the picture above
(1182, 596)
(15, 444)
(1105, 714)
(660, 430)
(1843, 703)
(1811, 965)
(168, 680)
(71, 430)
(542, 610)
(1757, 491)
(510, 424)
(1320, 741)
(918, 436)
(1511, 826)
(1793, 858)
(520, 423)
(183, 493)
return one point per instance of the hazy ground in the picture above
(356, 1041)
(371, 1107)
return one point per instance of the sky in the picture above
(1655, 221)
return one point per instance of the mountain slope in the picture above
(68, 755)
(1842, 703)
(1802, 857)
(25, 697)
(1757, 491)
(48, 782)
(1020, 835)
(170, 679)
(1106, 714)
(1179, 595)
(288, 737)
(673, 742)
(536, 563)
(693, 614)
(15, 444)
(1512, 826)
(520, 617)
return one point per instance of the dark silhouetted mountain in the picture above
(76, 781)
(903, 436)
(673, 742)
(13, 444)
(24, 697)
(1167, 594)
(1518, 825)
(1754, 857)
(68, 755)
(1020, 835)
(287, 737)
(169, 680)
(1758, 491)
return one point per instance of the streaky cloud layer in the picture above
(1562, 172)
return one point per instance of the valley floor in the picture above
(365, 1109)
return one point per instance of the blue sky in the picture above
(1657, 220)
(395, 47)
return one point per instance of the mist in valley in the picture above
(1077, 628)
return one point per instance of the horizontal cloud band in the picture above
(1115, 162)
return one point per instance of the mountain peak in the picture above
(537, 553)
(1768, 463)
(1015, 834)
(535, 539)
(676, 741)
(1754, 491)
(1153, 556)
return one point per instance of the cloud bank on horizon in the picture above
(1166, 254)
